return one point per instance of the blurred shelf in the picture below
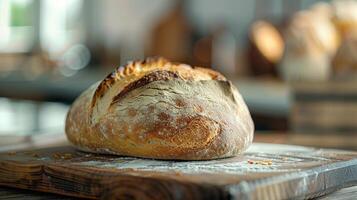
(330, 140)
(48, 88)
(38, 140)
(266, 97)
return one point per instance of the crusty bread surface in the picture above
(162, 110)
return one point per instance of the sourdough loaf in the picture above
(158, 109)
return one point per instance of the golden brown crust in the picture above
(137, 69)
(171, 111)
(134, 71)
(152, 76)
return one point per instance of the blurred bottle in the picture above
(224, 51)
(265, 42)
(202, 50)
(265, 50)
(171, 37)
(345, 61)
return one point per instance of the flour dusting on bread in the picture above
(158, 109)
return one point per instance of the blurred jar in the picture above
(265, 48)
(311, 40)
(345, 61)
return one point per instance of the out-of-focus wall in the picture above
(125, 24)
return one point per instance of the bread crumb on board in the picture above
(260, 162)
(64, 156)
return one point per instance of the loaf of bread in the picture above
(162, 110)
(310, 41)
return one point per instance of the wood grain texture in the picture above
(324, 116)
(7, 193)
(265, 171)
(324, 107)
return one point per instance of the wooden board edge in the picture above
(47, 178)
(315, 182)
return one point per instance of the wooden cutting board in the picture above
(265, 171)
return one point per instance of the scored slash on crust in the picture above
(133, 67)
(163, 75)
(139, 73)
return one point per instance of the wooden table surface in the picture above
(10, 193)
(265, 171)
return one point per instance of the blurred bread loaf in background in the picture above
(315, 44)
(311, 40)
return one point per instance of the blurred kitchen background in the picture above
(293, 60)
